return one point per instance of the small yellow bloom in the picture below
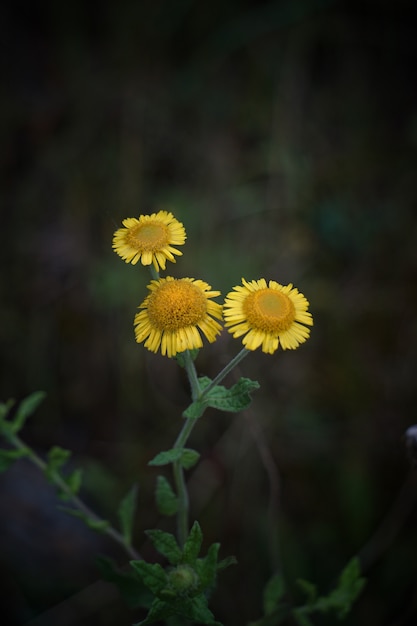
(150, 239)
(173, 313)
(268, 315)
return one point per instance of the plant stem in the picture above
(59, 482)
(154, 273)
(178, 470)
(225, 371)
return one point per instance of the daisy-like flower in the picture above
(268, 315)
(150, 239)
(173, 313)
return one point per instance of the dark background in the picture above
(284, 136)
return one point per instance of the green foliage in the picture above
(339, 601)
(233, 400)
(56, 459)
(165, 544)
(95, 523)
(8, 457)
(23, 411)
(126, 513)
(186, 456)
(166, 500)
(183, 588)
(131, 587)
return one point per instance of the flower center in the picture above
(269, 310)
(149, 236)
(176, 304)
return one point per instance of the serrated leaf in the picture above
(192, 545)
(98, 525)
(158, 612)
(189, 458)
(166, 457)
(165, 544)
(152, 575)
(195, 409)
(273, 593)
(196, 610)
(207, 567)
(126, 513)
(8, 457)
(25, 409)
(166, 500)
(57, 457)
(232, 400)
(132, 589)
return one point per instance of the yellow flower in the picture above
(173, 313)
(149, 238)
(268, 315)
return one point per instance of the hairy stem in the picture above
(59, 482)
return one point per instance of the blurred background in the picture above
(284, 136)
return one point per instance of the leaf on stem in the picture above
(166, 500)
(99, 525)
(192, 545)
(152, 575)
(187, 457)
(126, 513)
(130, 586)
(8, 457)
(234, 399)
(165, 544)
(25, 409)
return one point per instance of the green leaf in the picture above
(132, 589)
(195, 409)
(57, 457)
(227, 562)
(166, 500)
(167, 457)
(165, 544)
(207, 567)
(99, 525)
(8, 457)
(152, 575)
(273, 593)
(126, 513)
(350, 586)
(192, 545)
(234, 399)
(74, 481)
(159, 612)
(25, 409)
(196, 610)
(189, 458)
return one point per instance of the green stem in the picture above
(178, 470)
(154, 273)
(225, 371)
(75, 500)
(179, 478)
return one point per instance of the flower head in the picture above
(268, 315)
(149, 238)
(173, 313)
